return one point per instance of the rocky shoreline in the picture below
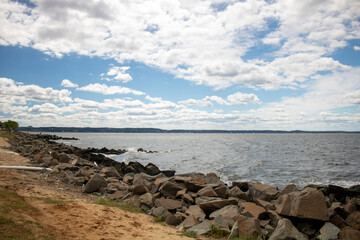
(201, 203)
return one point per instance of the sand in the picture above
(76, 217)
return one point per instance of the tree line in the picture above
(9, 125)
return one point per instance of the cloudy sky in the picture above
(181, 64)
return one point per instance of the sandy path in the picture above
(78, 217)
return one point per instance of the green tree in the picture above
(11, 125)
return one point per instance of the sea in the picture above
(277, 159)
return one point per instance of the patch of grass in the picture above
(158, 219)
(216, 232)
(4, 220)
(122, 205)
(12, 201)
(54, 201)
(250, 238)
(190, 234)
(7, 135)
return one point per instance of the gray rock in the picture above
(231, 211)
(118, 195)
(201, 228)
(170, 188)
(328, 232)
(307, 204)
(189, 222)
(222, 191)
(172, 220)
(143, 178)
(288, 189)
(213, 179)
(214, 205)
(224, 222)
(64, 158)
(197, 212)
(140, 189)
(95, 183)
(285, 230)
(147, 200)
(237, 193)
(110, 172)
(158, 211)
(234, 233)
(262, 191)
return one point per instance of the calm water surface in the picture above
(275, 159)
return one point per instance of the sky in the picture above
(181, 64)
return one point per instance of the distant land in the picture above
(158, 130)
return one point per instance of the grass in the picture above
(216, 232)
(158, 219)
(7, 135)
(122, 205)
(250, 238)
(54, 201)
(190, 234)
(12, 201)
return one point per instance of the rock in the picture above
(140, 189)
(118, 195)
(55, 155)
(168, 173)
(187, 198)
(128, 178)
(168, 204)
(248, 227)
(110, 172)
(189, 222)
(95, 183)
(265, 204)
(139, 168)
(274, 217)
(64, 158)
(237, 193)
(170, 188)
(170, 219)
(285, 230)
(348, 233)
(197, 212)
(307, 204)
(329, 231)
(214, 205)
(152, 169)
(353, 205)
(158, 211)
(307, 227)
(37, 157)
(201, 228)
(354, 220)
(231, 211)
(338, 221)
(337, 208)
(143, 178)
(224, 222)
(262, 191)
(255, 210)
(213, 179)
(288, 189)
(147, 200)
(222, 191)
(234, 233)
(82, 162)
(207, 192)
(244, 186)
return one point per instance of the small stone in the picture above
(328, 231)
(95, 183)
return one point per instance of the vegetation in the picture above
(190, 234)
(54, 201)
(216, 232)
(158, 219)
(9, 125)
(7, 135)
(12, 201)
(122, 205)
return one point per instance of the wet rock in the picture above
(214, 205)
(237, 193)
(207, 192)
(110, 172)
(201, 228)
(286, 230)
(307, 204)
(197, 212)
(354, 220)
(248, 226)
(231, 211)
(255, 210)
(328, 231)
(95, 183)
(168, 204)
(152, 169)
(348, 233)
(171, 188)
(262, 191)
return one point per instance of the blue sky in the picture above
(217, 64)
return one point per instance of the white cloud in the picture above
(192, 40)
(243, 98)
(119, 74)
(197, 103)
(356, 48)
(67, 83)
(108, 90)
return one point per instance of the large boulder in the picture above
(255, 210)
(171, 188)
(201, 228)
(348, 233)
(207, 192)
(231, 211)
(95, 183)
(262, 191)
(237, 193)
(197, 212)
(214, 205)
(307, 204)
(168, 204)
(354, 220)
(248, 227)
(152, 169)
(110, 172)
(285, 230)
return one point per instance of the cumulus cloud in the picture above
(67, 83)
(108, 90)
(119, 74)
(243, 98)
(356, 48)
(193, 40)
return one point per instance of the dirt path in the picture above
(64, 213)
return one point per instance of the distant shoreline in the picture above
(158, 130)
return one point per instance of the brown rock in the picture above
(231, 211)
(37, 157)
(170, 188)
(288, 189)
(222, 191)
(354, 220)
(140, 189)
(189, 222)
(187, 198)
(147, 200)
(265, 204)
(197, 212)
(262, 191)
(110, 172)
(213, 179)
(214, 205)
(168, 204)
(172, 220)
(95, 183)
(285, 230)
(118, 195)
(348, 233)
(64, 158)
(237, 193)
(307, 204)
(248, 227)
(338, 221)
(55, 155)
(207, 192)
(352, 206)
(255, 210)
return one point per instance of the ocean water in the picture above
(275, 159)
